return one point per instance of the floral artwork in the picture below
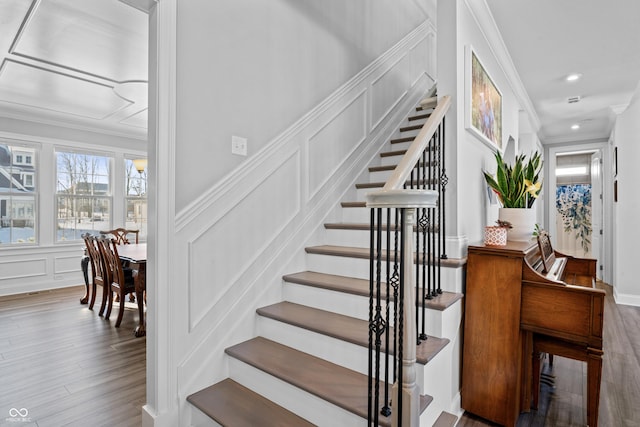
(486, 104)
(573, 203)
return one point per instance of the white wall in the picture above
(256, 67)
(467, 196)
(625, 211)
(317, 88)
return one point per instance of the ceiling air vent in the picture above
(573, 99)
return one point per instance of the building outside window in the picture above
(136, 198)
(18, 194)
(83, 194)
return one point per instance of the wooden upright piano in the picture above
(520, 301)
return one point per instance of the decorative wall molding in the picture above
(205, 249)
(23, 268)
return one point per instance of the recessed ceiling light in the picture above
(575, 127)
(573, 77)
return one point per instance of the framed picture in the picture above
(483, 102)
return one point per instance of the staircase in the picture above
(308, 364)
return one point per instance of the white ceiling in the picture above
(83, 63)
(80, 63)
(549, 39)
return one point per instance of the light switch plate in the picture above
(238, 145)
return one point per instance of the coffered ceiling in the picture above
(79, 63)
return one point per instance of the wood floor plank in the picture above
(68, 366)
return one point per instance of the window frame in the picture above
(31, 198)
(109, 197)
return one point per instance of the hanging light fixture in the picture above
(140, 164)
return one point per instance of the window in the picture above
(136, 198)
(83, 194)
(17, 195)
(27, 179)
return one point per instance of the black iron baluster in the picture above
(386, 409)
(370, 406)
(400, 325)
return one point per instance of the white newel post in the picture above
(408, 387)
(409, 201)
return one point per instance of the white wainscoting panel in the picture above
(216, 260)
(67, 264)
(336, 141)
(23, 268)
(388, 90)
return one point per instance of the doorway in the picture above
(578, 204)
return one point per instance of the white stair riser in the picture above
(354, 238)
(445, 323)
(200, 419)
(360, 215)
(380, 176)
(324, 299)
(359, 238)
(390, 160)
(306, 405)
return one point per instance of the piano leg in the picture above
(537, 357)
(594, 376)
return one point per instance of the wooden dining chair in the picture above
(121, 235)
(99, 274)
(122, 279)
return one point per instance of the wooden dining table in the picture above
(136, 255)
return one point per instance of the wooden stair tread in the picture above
(403, 139)
(232, 404)
(411, 127)
(353, 204)
(339, 326)
(357, 226)
(364, 253)
(419, 117)
(393, 167)
(336, 384)
(363, 185)
(393, 153)
(360, 287)
(446, 420)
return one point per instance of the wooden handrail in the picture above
(420, 143)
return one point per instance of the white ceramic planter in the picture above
(522, 220)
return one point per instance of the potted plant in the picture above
(517, 188)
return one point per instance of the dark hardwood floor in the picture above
(67, 366)
(564, 404)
